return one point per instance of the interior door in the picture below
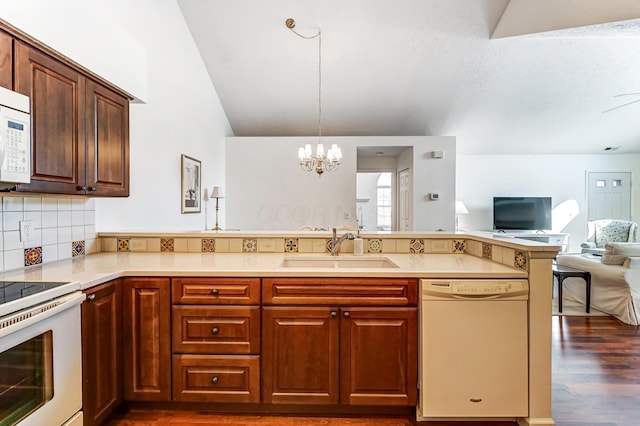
(404, 200)
(609, 195)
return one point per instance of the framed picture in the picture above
(190, 196)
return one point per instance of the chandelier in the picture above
(319, 162)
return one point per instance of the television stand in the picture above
(557, 239)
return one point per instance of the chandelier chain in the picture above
(321, 161)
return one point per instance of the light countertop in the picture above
(91, 270)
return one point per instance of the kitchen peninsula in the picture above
(228, 307)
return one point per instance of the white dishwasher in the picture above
(473, 349)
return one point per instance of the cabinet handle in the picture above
(214, 330)
(93, 188)
(347, 314)
(82, 188)
(91, 297)
(334, 314)
(214, 291)
(214, 380)
(475, 399)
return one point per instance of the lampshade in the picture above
(217, 192)
(461, 208)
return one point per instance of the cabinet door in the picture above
(107, 142)
(378, 356)
(300, 355)
(101, 352)
(6, 60)
(57, 95)
(147, 339)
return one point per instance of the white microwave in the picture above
(15, 139)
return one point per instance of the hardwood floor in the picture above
(596, 382)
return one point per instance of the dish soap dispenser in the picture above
(358, 244)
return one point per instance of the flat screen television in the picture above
(521, 213)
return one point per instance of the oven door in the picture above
(40, 363)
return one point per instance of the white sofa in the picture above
(615, 283)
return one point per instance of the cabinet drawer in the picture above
(340, 291)
(216, 329)
(215, 291)
(216, 378)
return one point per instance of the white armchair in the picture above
(601, 232)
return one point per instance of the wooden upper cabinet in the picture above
(79, 127)
(6, 60)
(107, 118)
(57, 121)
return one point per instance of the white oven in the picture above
(40, 357)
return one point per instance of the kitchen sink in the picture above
(337, 262)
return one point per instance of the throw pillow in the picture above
(616, 253)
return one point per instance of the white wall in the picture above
(81, 31)
(182, 113)
(563, 177)
(267, 190)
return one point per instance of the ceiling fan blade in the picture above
(620, 106)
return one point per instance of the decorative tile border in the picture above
(250, 246)
(78, 248)
(291, 245)
(416, 246)
(32, 256)
(374, 245)
(209, 245)
(167, 244)
(328, 245)
(486, 250)
(123, 244)
(521, 260)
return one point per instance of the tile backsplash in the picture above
(62, 228)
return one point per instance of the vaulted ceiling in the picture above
(519, 76)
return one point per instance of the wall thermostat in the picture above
(434, 196)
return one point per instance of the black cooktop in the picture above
(13, 290)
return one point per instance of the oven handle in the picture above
(29, 316)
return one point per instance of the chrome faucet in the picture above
(335, 241)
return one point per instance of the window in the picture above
(384, 202)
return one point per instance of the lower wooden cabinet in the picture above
(216, 378)
(147, 339)
(219, 342)
(101, 352)
(378, 356)
(347, 355)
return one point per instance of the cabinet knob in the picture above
(347, 314)
(214, 330)
(475, 399)
(82, 188)
(214, 291)
(93, 188)
(91, 297)
(334, 314)
(214, 380)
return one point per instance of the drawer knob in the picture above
(475, 399)
(214, 330)
(346, 314)
(214, 380)
(214, 291)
